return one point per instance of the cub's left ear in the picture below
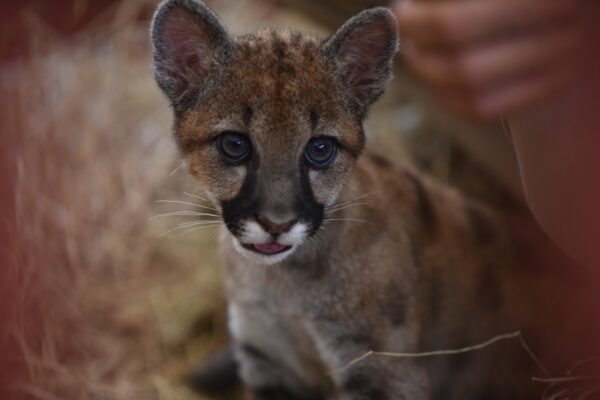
(362, 51)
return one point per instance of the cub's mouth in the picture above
(268, 249)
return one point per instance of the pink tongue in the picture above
(269, 248)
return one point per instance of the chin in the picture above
(265, 259)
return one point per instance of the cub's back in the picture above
(481, 272)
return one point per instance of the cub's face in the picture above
(270, 125)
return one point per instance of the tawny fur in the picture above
(410, 265)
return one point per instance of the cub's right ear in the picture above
(189, 45)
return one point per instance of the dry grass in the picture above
(126, 314)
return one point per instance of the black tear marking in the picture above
(247, 202)
(307, 207)
(244, 204)
(481, 225)
(425, 207)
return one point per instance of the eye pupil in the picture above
(320, 152)
(234, 146)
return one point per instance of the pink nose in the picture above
(273, 228)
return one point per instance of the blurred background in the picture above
(100, 300)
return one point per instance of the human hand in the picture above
(486, 58)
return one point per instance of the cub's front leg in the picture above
(374, 377)
(277, 358)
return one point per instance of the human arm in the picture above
(536, 63)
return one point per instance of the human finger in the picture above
(457, 23)
(486, 66)
(515, 96)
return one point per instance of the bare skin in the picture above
(535, 63)
(487, 58)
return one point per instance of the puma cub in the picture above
(328, 249)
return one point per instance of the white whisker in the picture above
(352, 200)
(187, 225)
(182, 214)
(342, 203)
(346, 219)
(343, 207)
(197, 229)
(179, 167)
(194, 196)
(206, 221)
(186, 203)
(312, 243)
(345, 203)
(337, 205)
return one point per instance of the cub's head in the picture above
(270, 124)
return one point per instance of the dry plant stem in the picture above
(436, 353)
(532, 355)
(550, 379)
(566, 394)
(567, 379)
(583, 362)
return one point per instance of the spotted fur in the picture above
(408, 265)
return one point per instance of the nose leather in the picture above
(273, 228)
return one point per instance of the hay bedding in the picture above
(125, 314)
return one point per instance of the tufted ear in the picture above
(189, 43)
(362, 51)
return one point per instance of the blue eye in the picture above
(320, 152)
(234, 146)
